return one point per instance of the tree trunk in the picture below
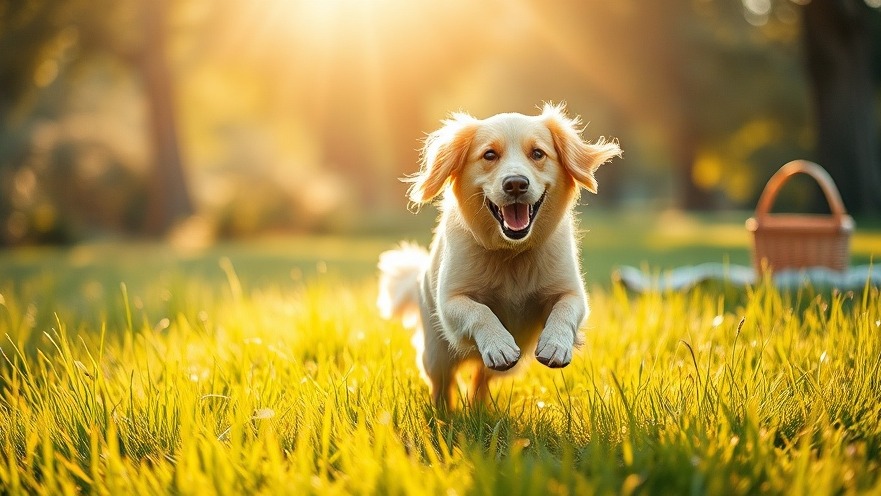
(839, 62)
(673, 104)
(168, 201)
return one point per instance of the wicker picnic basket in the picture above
(793, 241)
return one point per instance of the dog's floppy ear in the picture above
(578, 157)
(444, 152)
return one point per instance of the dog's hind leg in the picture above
(439, 366)
(441, 380)
(479, 390)
(442, 388)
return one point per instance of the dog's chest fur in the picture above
(515, 288)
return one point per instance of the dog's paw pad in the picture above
(553, 355)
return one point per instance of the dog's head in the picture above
(512, 176)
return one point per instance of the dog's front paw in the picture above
(553, 351)
(500, 352)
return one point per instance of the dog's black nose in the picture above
(515, 185)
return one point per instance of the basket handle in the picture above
(769, 194)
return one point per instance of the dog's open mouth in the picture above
(516, 218)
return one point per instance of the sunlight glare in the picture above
(757, 11)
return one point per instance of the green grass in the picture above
(270, 372)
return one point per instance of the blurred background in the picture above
(217, 119)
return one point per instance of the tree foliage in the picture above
(319, 106)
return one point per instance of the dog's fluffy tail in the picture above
(401, 272)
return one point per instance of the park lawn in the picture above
(264, 368)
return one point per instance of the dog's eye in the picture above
(537, 154)
(490, 155)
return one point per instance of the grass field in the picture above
(264, 368)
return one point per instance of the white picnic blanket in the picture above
(740, 275)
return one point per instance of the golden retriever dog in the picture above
(502, 277)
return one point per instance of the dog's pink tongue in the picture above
(516, 216)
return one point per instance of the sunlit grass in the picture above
(196, 387)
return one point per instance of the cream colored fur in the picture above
(479, 296)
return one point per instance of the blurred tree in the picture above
(43, 40)
(168, 202)
(747, 96)
(839, 53)
(841, 44)
(693, 78)
(316, 106)
(26, 28)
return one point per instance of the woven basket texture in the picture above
(795, 241)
